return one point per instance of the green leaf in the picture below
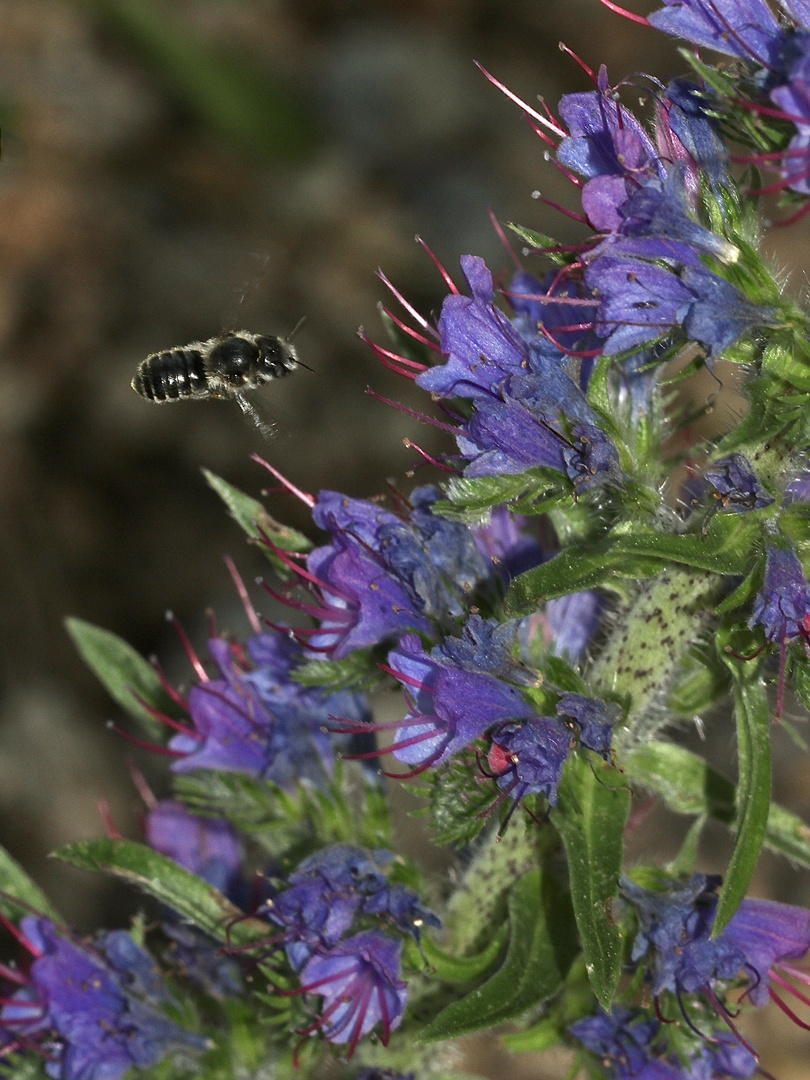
(702, 682)
(590, 817)
(358, 671)
(461, 969)
(725, 549)
(254, 520)
(635, 551)
(753, 717)
(683, 865)
(542, 242)
(130, 680)
(689, 786)
(532, 492)
(15, 884)
(541, 948)
(169, 883)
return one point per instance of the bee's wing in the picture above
(265, 425)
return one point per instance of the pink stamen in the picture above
(767, 110)
(304, 496)
(786, 1009)
(175, 695)
(578, 60)
(175, 725)
(142, 744)
(548, 298)
(626, 14)
(18, 934)
(504, 239)
(302, 573)
(408, 307)
(791, 989)
(194, 660)
(411, 412)
(393, 361)
(141, 785)
(795, 217)
(560, 209)
(250, 611)
(403, 678)
(547, 139)
(417, 771)
(338, 614)
(583, 353)
(429, 458)
(409, 330)
(542, 120)
(105, 813)
(451, 285)
(13, 975)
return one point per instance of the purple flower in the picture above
(626, 1042)
(450, 706)
(360, 985)
(687, 134)
(593, 721)
(608, 146)
(660, 211)
(782, 606)
(323, 896)
(208, 847)
(743, 28)
(761, 940)
(403, 907)
(97, 1017)
(481, 345)
(622, 1037)
(527, 759)
(770, 936)
(643, 301)
(566, 627)
(676, 927)
(259, 721)
(382, 574)
(503, 542)
(738, 487)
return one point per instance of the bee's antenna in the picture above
(296, 328)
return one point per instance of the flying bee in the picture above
(225, 366)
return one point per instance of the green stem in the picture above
(647, 644)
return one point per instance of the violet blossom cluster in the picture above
(544, 617)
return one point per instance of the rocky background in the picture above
(170, 169)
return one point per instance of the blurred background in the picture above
(173, 168)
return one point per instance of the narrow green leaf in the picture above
(16, 884)
(461, 969)
(541, 242)
(689, 786)
(254, 520)
(169, 883)
(130, 680)
(531, 492)
(753, 717)
(724, 549)
(683, 780)
(590, 817)
(541, 949)
(683, 865)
